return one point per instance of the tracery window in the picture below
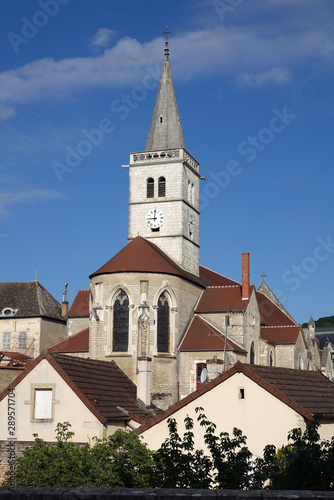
(161, 187)
(150, 188)
(121, 322)
(163, 323)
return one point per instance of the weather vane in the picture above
(166, 33)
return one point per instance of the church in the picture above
(169, 323)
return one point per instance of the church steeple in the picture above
(165, 129)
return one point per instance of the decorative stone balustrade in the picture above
(167, 154)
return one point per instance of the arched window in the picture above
(121, 322)
(161, 187)
(163, 324)
(150, 188)
(252, 354)
(22, 340)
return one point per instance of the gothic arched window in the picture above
(150, 188)
(121, 322)
(161, 187)
(163, 323)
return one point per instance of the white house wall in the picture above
(67, 408)
(263, 418)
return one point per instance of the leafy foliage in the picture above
(304, 464)
(182, 466)
(123, 460)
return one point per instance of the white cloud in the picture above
(253, 54)
(274, 76)
(102, 37)
(31, 196)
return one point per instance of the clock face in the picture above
(155, 218)
(191, 223)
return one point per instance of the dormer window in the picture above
(8, 311)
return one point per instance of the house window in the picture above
(43, 404)
(241, 393)
(22, 340)
(199, 369)
(163, 324)
(6, 340)
(161, 187)
(150, 188)
(121, 322)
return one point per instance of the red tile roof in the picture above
(215, 279)
(271, 315)
(202, 336)
(222, 298)
(16, 358)
(80, 306)
(280, 334)
(79, 342)
(101, 385)
(142, 256)
(306, 392)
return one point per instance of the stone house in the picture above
(30, 318)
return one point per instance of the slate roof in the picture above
(280, 334)
(143, 256)
(306, 392)
(80, 306)
(30, 299)
(203, 336)
(79, 342)
(101, 385)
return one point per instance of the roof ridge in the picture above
(280, 326)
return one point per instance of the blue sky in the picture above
(254, 85)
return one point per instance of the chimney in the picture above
(144, 380)
(215, 367)
(245, 276)
(64, 305)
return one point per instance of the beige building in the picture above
(264, 402)
(30, 318)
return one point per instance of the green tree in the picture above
(182, 466)
(306, 463)
(121, 460)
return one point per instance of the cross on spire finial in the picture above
(166, 33)
(263, 276)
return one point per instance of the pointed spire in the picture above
(165, 129)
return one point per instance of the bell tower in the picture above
(164, 183)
